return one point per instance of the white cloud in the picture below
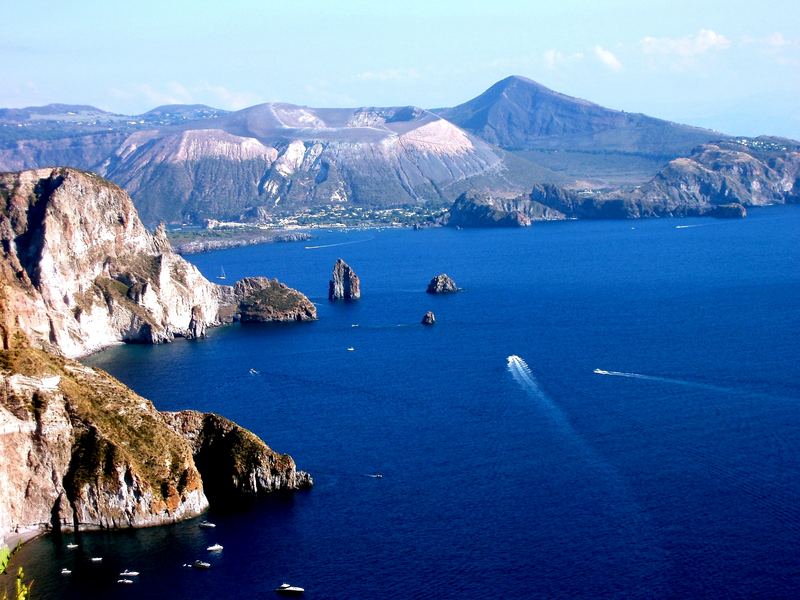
(388, 75)
(607, 58)
(687, 47)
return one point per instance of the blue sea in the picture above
(643, 441)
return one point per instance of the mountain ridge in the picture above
(189, 163)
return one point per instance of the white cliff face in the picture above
(89, 274)
(69, 458)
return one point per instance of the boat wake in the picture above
(523, 375)
(684, 382)
(613, 496)
(338, 244)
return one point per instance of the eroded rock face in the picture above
(344, 283)
(82, 272)
(233, 461)
(263, 300)
(442, 284)
(79, 449)
(429, 318)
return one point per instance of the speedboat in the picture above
(350, 349)
(285, 588)
(207, 525)
(201, 564)
(66, 571)
(215, 548)
(97, 558)
(127, 581)
(254, 372)
(71, 546)
(127, 573)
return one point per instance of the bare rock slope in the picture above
(82, 272)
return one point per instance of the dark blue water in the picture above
(550, 481)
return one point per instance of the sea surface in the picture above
(511, 467)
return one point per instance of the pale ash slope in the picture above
(277, 156)
(80, 271)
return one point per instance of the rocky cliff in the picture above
(233, 461)
(80, 450)
(344, 283)
(82, 272)
(719, 180)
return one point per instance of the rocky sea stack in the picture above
(78, 449)
(429, 318)
(344, 283)
(442, 284)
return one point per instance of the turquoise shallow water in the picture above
(675, 473)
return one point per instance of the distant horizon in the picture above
(399, 104)
(725, 66)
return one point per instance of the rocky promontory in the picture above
(82, 451)
(262, 300)
(234, 462)
(82, 272)
(442, 284)
(718, 179)
(78, 449)
(344, 283)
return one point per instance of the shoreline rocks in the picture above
(344, 283)
(442, 284)
(265, 300)
(429, 318)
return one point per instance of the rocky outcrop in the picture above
(77, 448)
(81, 450)
(727, 211)
(442, 284)
(474, 209)
(82, 272)
(429, 318)
(262, 300)
(232, 461)
(344, 283)
(718, 179)
(744, 171)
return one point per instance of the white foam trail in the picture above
(610, 488)
(338, 244)
(686, 226)
(695, 384)
(522, 373)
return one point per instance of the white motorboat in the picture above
(72, 546)
(125, 581)
(127, 573)
(201, 564)
(66, 571)
(97, 559)
(207, 525)
(350, 349)
(285, 588)
(215, 548)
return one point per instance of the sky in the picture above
(733, 66)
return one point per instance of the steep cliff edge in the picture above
(81, 450)
(718, 179)
(78, 449)
(82, 272)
